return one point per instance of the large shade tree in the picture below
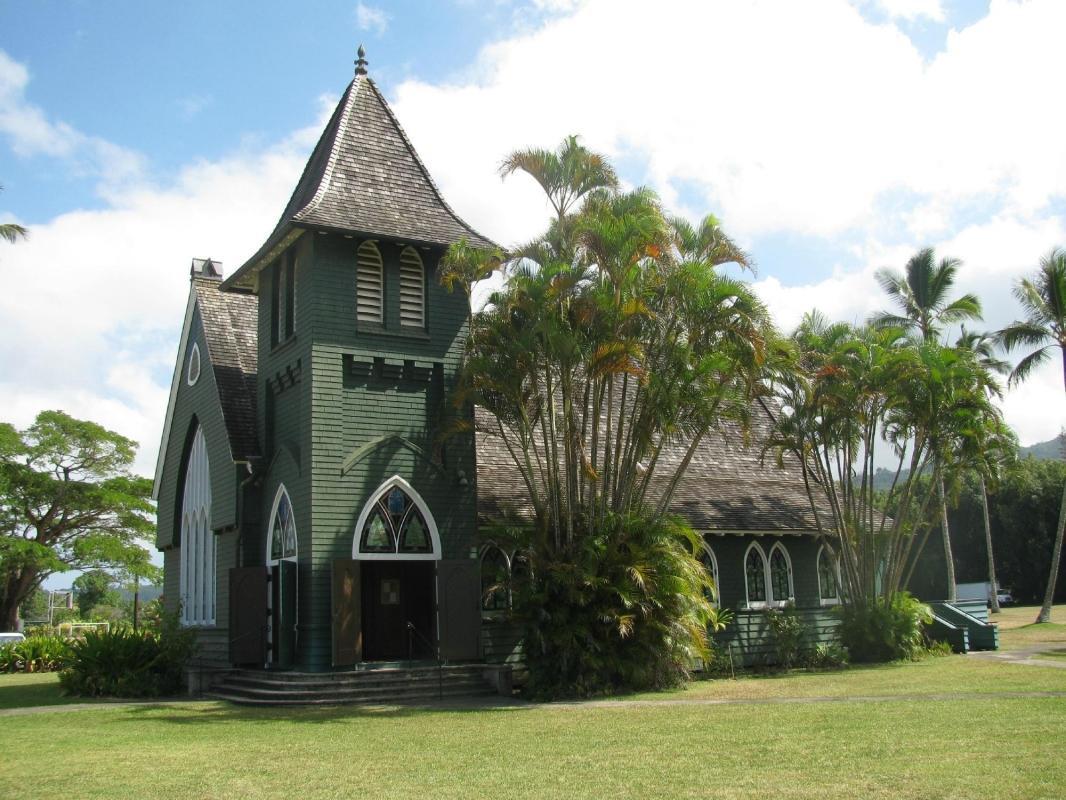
(923, 295)
(1041, 334)
(67, 501)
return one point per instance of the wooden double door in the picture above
(399, 610)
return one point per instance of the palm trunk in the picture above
(988, 546)
(948, 558)
(1056, 556)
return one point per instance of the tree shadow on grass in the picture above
(205, 713)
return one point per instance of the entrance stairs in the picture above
(386, 685)
(964, 625)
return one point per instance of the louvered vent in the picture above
(412, 290)
(368, 284)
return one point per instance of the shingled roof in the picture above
(728, 487)
(364, 177)
(230, 321)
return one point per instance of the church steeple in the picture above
(365, 178)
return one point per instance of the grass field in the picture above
(954, 726)
(1017, 629)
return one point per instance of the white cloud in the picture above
(31, 133)
(370, 18)
(911, 10)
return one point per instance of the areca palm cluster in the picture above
(846, 393)
(613, 350)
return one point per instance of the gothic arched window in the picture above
(369, 284)
(828, 577)
(396, 522)
(781, 575)
(412, 289)
(755, 575)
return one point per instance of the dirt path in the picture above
(1025, 655)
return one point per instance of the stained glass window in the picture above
(283, 530)
(827, 575)
(755, 571)
(395, 525)
(709, 564)
(779, 577)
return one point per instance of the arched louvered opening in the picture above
(781, 575)
(755, 576)
(412, 289)
(198, 548)
(369, 285)
(282, 545)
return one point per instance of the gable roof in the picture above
(727, 487)
(230, 325)
(230, 321)
(364, 177)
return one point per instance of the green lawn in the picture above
(926, 747)
(36, 689)
(1017, 628)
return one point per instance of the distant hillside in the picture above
(1051, 451)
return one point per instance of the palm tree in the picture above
(994, 447)
(922, 295)
(1043, 299)
(10, 230)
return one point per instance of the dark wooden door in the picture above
(398, 595)
(347, 613)
(283, 614)
(248, 615)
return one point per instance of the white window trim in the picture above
(748, 603)
(199, 549)
(791, 599)
(360, 318)
(717, 602)
(827, 601)
(282, 491)
(406, 309)
(194, 359)
(420, 504)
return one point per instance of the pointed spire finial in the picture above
(360, 64)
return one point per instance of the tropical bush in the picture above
(35, 654)
(789, 634)
(827, 655)
(127, 663)
(885, 630)
(628, 609)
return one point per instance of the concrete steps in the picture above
(367, 686)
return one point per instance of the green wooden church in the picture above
(308, 520)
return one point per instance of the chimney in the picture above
(206, 268)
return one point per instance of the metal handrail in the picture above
(411, 629)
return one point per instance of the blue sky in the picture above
(831, 137)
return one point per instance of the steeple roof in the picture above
(364, 177)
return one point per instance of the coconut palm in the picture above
(922, 294)
(10, 230)
(1043, 299)
(993, 448)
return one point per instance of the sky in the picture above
(830, 137)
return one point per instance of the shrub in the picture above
(789, 634)
(127, 663)
(827, 655)
(885, 631)
(36, 653)
(626, 607)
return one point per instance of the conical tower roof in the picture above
(363, 177)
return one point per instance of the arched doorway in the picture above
(281, 561)
(397, 544)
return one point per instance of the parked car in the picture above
(11, 638)
(1005, 598)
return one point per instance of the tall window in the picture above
(283, 307)
(198, 548)
(369, 284)
(495, 579)
(412, 290)
(781, 575)
(828, 579)
(396, 523)
(282, 530)
(710, 563)
(755, 575)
